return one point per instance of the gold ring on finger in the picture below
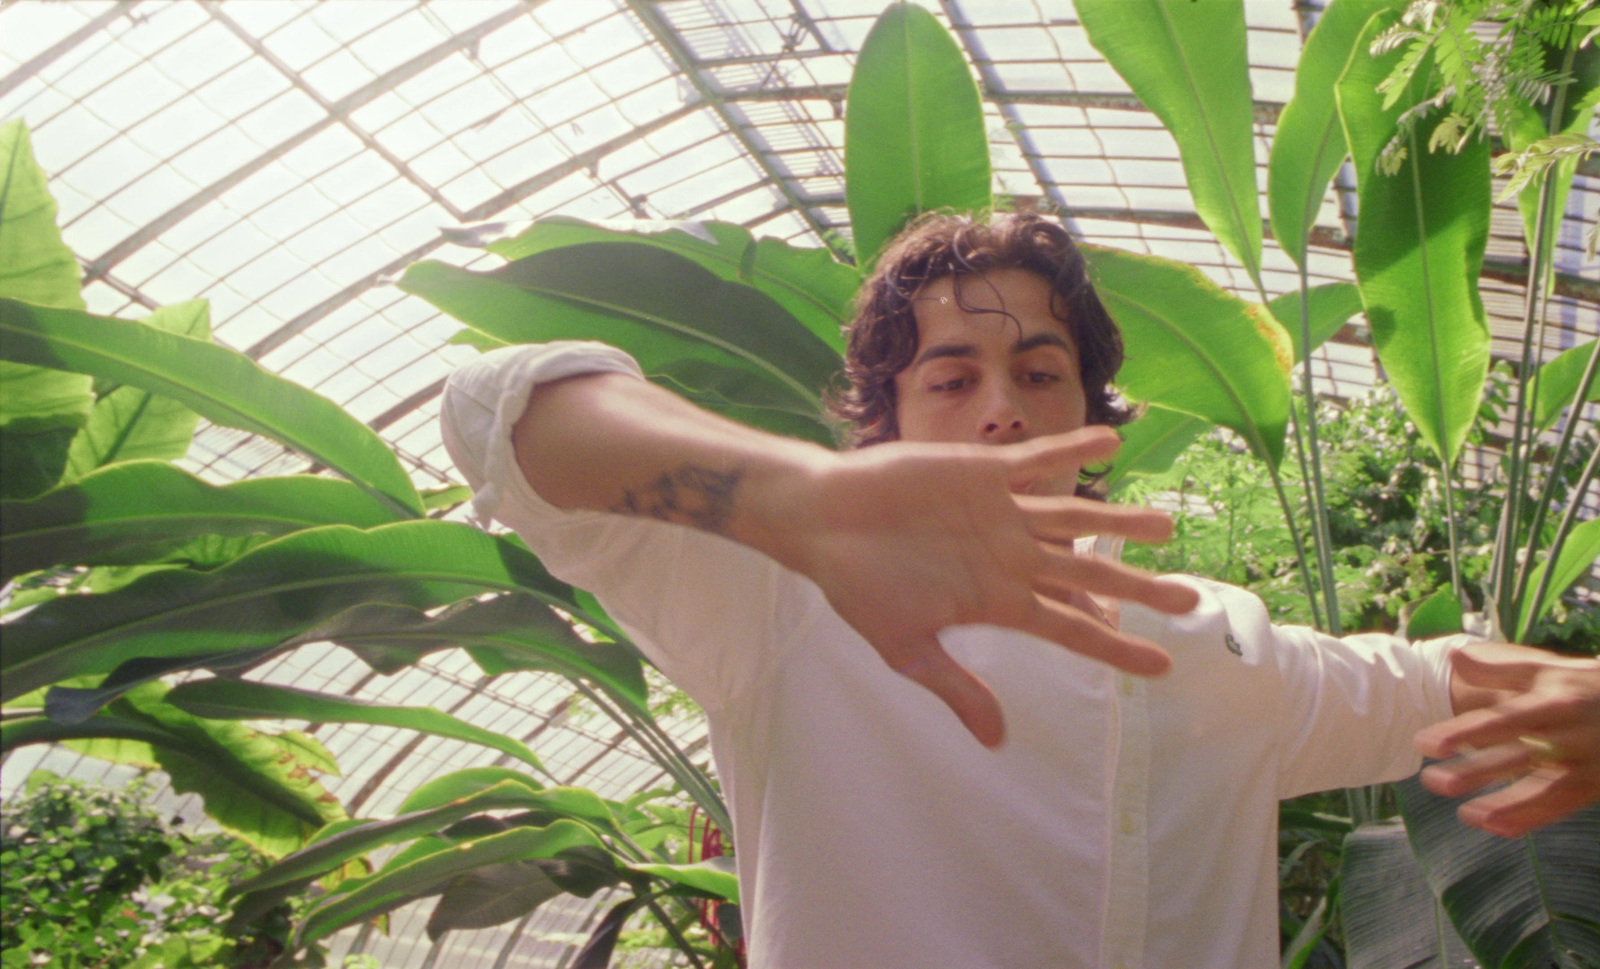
(1544, 751)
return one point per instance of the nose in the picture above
(1002, 420)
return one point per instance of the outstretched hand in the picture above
(1541, 732)
(912, 538)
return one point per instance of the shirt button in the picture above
(1125, 683)
(1127, 823)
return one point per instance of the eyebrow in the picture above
(971, 350)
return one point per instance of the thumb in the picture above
(967, 696)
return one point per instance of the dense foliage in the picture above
(93, 878)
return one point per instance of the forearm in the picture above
(609, 442)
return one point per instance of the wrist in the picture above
(781, 502)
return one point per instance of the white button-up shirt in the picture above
(1124, 823)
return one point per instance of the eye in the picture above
(948, 386)
(1041, 378)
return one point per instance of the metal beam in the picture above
(991, 81)
(737, 127)
(214, 8)
(44, 58)
(338, 111)
(477, 213)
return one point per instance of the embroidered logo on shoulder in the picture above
(1232, 644)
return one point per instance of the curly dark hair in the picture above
(882, 338)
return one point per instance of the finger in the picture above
(1060, 519)
(1529, 713)
(1071, 628)
(1507, 666)
(1064, 573)
(1543, 797)
(1055, 453)
(1474, 771)
(973, 703)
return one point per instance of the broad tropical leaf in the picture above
(40, 409)
(1418, 254)
(391, 887)
(718, 342)
(1309, 144)
(1578, 556)
(225, 387)
(75, 704)
(1437, 615)
(814, 287)
(515, 632)
(1557, 385)
(1330, 307)
(1517, 902)
(1151, 443)
(1187, 63)
(914, 138)
(129, 423)
(490, 895)
(230, 699)
(1390, 916)
(139, 511)
(332, 848)
(250, 784)
(1195, 348)
(713, 876)
(281, 590)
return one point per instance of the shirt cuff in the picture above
(486, 398)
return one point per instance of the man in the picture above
(1114, 820)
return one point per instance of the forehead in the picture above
(950, 307)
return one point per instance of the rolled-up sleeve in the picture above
(704, 609)
(1352, 706)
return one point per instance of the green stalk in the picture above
(1319, 502)
(661, 748)
(1551, 480)
(1504, 563)
(672, 930)
(1568, 519)
(1299, 547)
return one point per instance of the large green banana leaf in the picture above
(1187, 62)
(229, 699)
(1309, 145)
(1519, 903)
(326, 852)
(1195, 348)
(129, 423)
(223, 386)
(816, 289)
(391, 887)
(139, 511)
(914, 138)
(1418, 254)
(251, 785)
(40, 409)
(503, 634)
(1152, 443)
(1555, 386)
(720, 342)
(1391, 918)
(277, 592)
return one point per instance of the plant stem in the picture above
(1562, 530)
(672, 930)
(1319, 500)
(1551, 480)
(1299, 547)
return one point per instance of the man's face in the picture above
(984, 377)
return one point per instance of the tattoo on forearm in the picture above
(692, 495)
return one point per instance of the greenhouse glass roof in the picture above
(287, 159)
